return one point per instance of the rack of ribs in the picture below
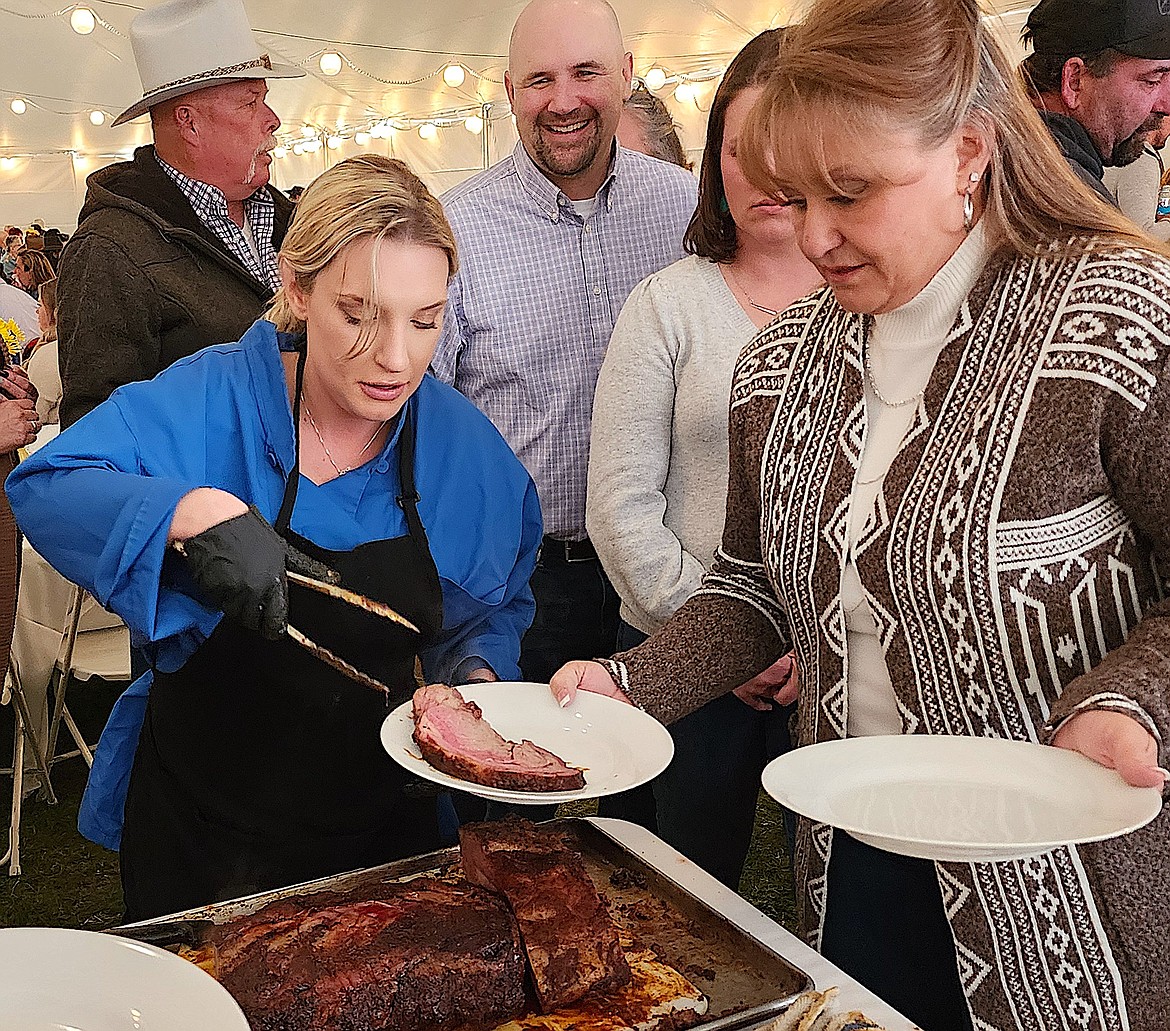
(416, 955)
(571, 942)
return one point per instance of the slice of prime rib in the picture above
(571, 942)
(454, 737)
(416, 956)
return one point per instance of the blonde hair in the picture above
(47, 295)
(930, 67)
(367, 196)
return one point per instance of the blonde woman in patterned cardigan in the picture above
(950, 493)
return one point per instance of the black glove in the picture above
(239, 564)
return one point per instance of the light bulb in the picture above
(298, 149)
(453, 75)
(684, 92)
(82, 21)
(97, 117)
(7, 163)
(473, 124)
(312, 146)
(333, 143)
(655, 78)
(428, 131)
(18, 106)
(362, 139)
(279, 152)
(308, 132)
(330, 63)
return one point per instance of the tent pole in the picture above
(486, 114)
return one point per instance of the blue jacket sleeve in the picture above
(493, 634)
(97, 504)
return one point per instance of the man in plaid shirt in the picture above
(552, 239)
(176, 249)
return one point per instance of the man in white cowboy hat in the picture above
(176, 249)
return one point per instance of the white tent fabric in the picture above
(393, 54)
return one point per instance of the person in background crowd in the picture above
(257, 765)
(939, 468)
(19, 425)
(41, 361)
(1100, 76)
(32, 271)
(294, 193)
(658, 459)
(54, 241)
(176, 249)
(1138, 185)
(553, 238)
(13, 242)
(646, 126)
(46, 321)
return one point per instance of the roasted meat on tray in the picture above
(571, 942)
(416, 955)
(454, 737)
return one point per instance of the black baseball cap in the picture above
(1137, 28)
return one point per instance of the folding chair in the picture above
(24, 731)
(81, 654)
(63, 671)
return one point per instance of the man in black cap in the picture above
(1100, 75)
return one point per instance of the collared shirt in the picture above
(252, 244)
(539, 287)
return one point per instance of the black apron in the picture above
(258, 765)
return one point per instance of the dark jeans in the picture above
(704, 803)
(576, 618)
(886, 927)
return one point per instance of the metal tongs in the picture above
(327, 581)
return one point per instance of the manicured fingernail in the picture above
(563, 701)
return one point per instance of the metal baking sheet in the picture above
(745, 981)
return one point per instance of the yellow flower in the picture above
(11, 336)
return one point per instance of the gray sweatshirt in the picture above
(658, 454)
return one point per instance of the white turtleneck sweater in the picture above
(903, 347)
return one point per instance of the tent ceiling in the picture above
(64, 75)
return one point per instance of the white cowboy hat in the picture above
(184, 45)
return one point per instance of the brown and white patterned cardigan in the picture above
(1013, 573)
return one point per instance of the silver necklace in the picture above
(325, 447)
(881, 397)
(759, 307)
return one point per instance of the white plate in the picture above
(964, 799)
(617, 745)
(55, 979)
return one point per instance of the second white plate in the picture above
(618, 746)
(962, 799)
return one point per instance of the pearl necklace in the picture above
(325, 447)
(759, 307)
(882, 398)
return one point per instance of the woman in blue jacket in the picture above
(173, 503)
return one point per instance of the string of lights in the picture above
(683, 86)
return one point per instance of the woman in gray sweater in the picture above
(658, 468)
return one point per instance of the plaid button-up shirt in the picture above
(211, 208)
(539, 287)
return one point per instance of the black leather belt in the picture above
(558, 552)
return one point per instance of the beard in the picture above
(566, 162)
(1130, 149)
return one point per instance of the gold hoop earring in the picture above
(969, 202)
